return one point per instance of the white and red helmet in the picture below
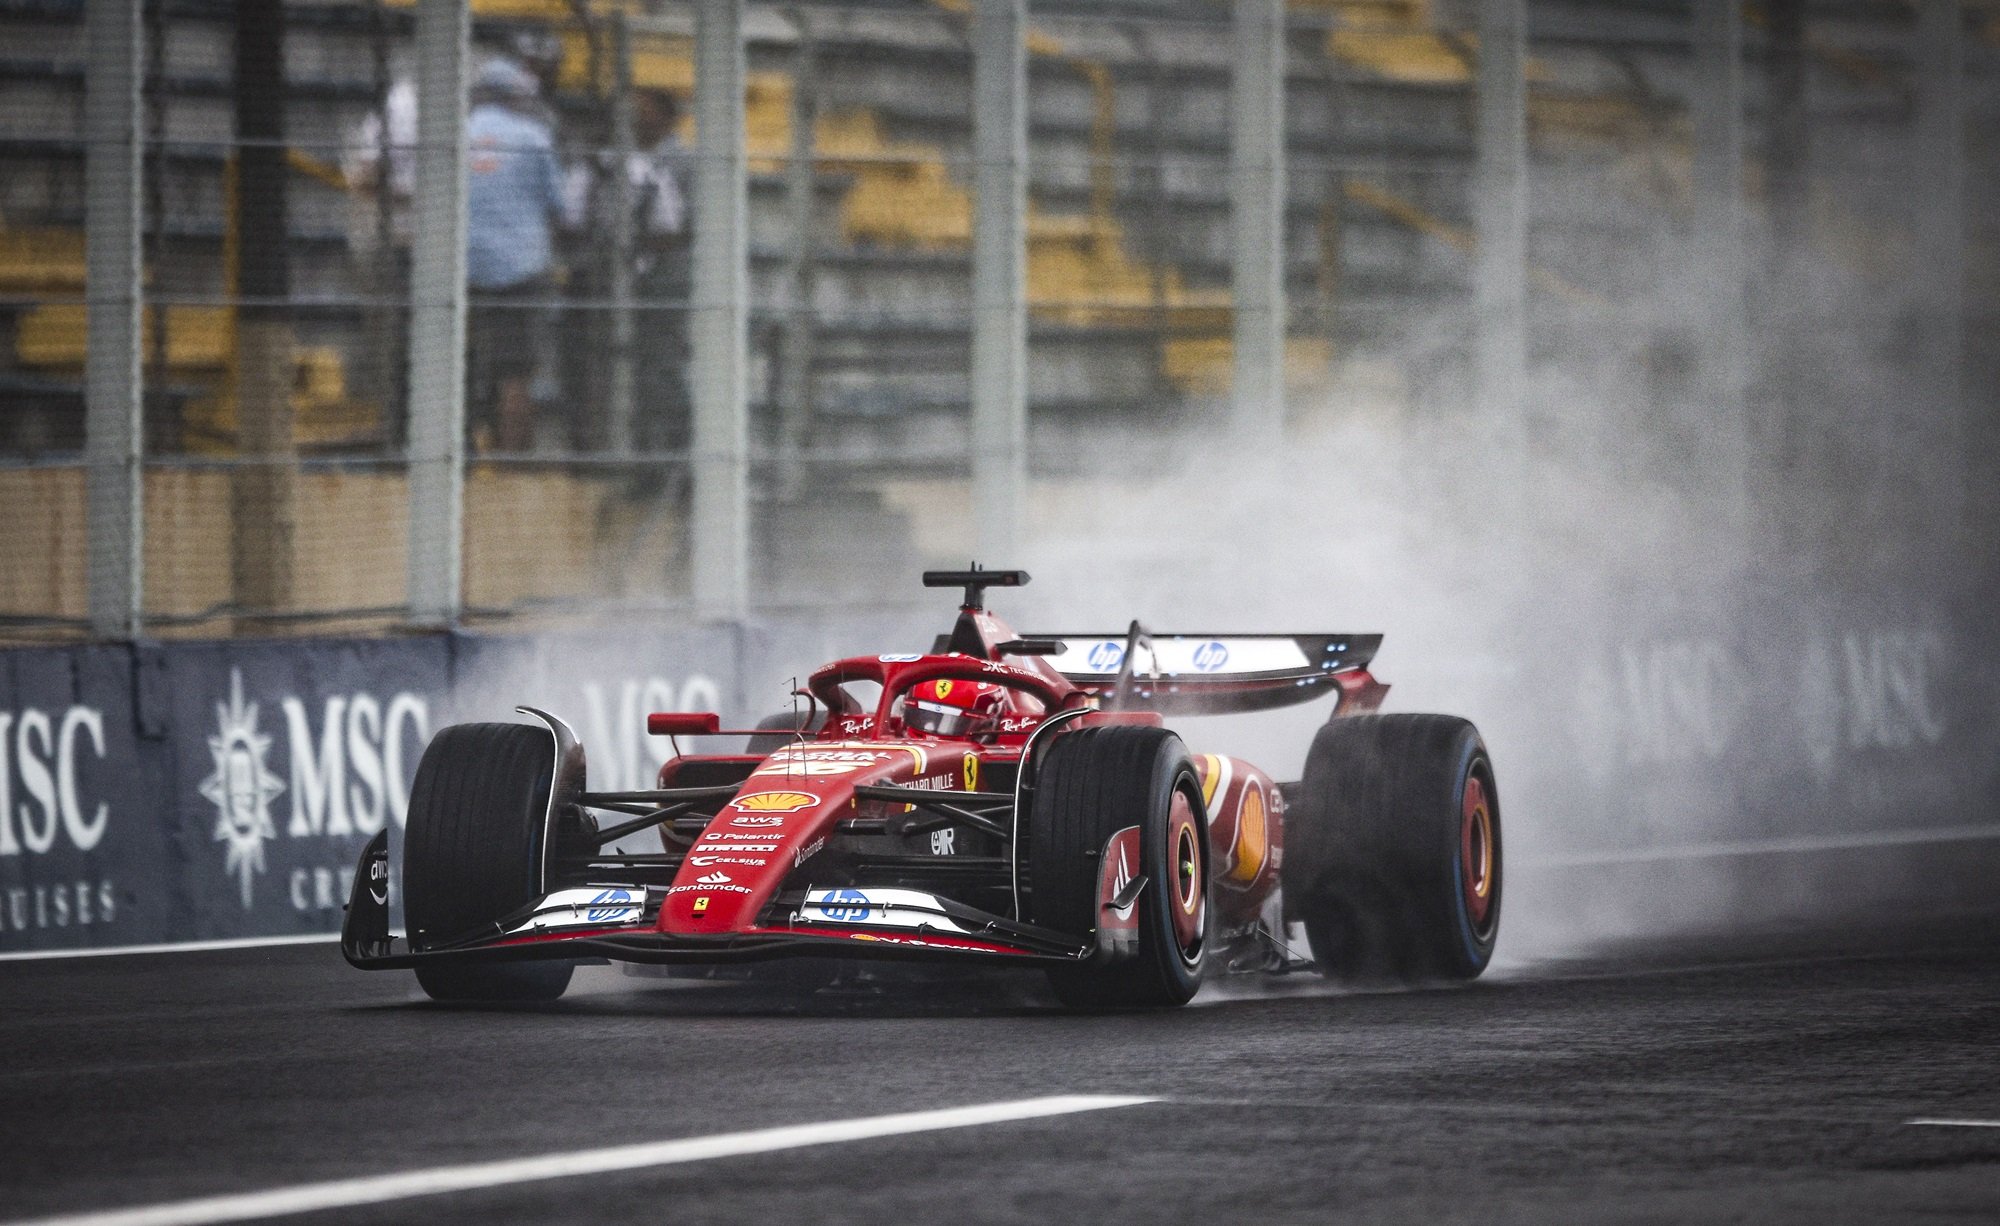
(953, 707)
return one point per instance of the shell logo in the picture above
(774, 802)
(1253, 840)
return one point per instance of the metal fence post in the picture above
(797, 336)
(1257, 217)
(1500, 209)
(1940, 178)
(437, 315)
(1716, 110)
(113, 392)
(999, 273)
(618, 430)
(721, 544)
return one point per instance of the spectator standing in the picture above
(513, 203)
(657, 175)
(379, 163)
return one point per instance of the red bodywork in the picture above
(792, 802)
(766, 866)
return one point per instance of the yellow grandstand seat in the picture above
(41, 260)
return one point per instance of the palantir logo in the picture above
(1210, 656)
(242, 786)
(1106, 656)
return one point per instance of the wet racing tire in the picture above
(1092, 784)
(1392, 850)
(472, 853)
(786, 727)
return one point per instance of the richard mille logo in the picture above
(242, 786)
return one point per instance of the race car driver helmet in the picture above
(954, 708)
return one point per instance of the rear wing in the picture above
(1215, 674)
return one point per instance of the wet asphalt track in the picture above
(1757, 1080)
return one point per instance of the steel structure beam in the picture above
(1940, 180)
(619, 436)
(721, 531)
(999, 273)
(1257, 217)
(113, 392)
(1500, 210)
(437, 315)
(1716, 111)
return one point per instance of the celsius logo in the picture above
(242, 786)
(844, 906)
(1210, 656)
(1106, 656)
(607, 907)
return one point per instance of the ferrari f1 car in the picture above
(1000, 798)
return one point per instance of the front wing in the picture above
(619, 924)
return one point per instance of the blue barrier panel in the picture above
(222, 790)
(218, 790)
(84, 858)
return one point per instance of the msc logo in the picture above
(1106, 656)
(1210, 656)
(349, 777)
(241, 787)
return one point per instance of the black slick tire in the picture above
(1392, 850)
(472, 853)
(1091, 784)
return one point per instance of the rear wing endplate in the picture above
(1209, 674)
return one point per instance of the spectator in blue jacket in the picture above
(514, 201)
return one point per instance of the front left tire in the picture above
(1092, 784)
(472, 853)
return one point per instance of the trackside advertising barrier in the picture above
(159, 793)
(202, 791)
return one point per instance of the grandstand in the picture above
(860, 264)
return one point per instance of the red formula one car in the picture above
(1000, 798)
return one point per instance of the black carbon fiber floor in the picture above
(1765, 1080)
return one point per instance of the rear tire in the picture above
(1392, 850)
(473, 853)
(1092, 784)
(787, 727)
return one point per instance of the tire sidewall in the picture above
(1470, 950)
(1173, 771)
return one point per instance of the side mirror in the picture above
(683, 723)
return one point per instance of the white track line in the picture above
(377, 1189)
(1951, 1123)
(176, 947)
